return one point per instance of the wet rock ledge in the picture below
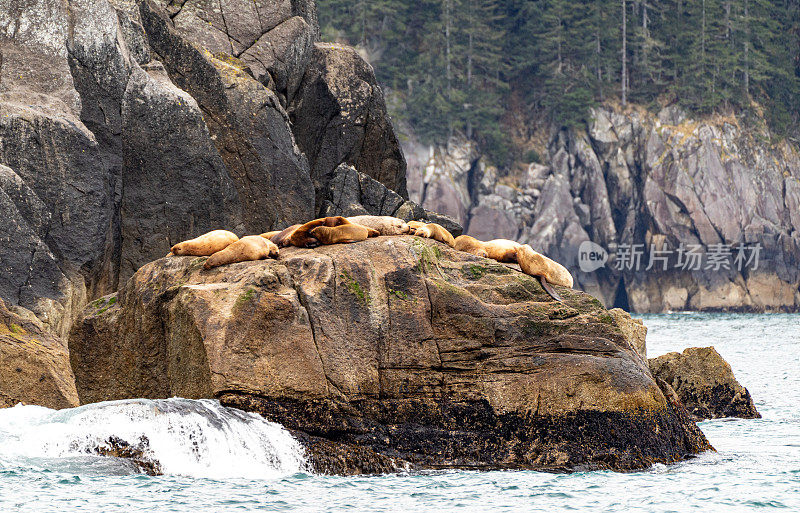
(388, 354)
(705, 383)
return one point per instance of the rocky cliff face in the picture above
(388, 353)
(129, 125)
(683, 214)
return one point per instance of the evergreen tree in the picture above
(453, 63)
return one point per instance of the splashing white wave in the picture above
(198, 438)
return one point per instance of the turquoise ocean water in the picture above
(221, 460)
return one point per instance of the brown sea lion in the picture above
(549, 271)
(436, 232)
(269, 235)
(342, 234)
(470, 245)
(413, 226)
(301, 236)
(386, 225)
(205, 245)
(502, 250)
(282, 237)
(251, 247)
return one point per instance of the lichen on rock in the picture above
(705, 384)
(395, 352)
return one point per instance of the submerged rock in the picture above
(34, 365)
(705, 384)
(398, 352)
(138, 454)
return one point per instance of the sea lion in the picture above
(502, 250)
(342, 234)
(436, 232)
(205, 245)
(251, 247)
(470, 245)
(386, 225)
(269, 235)
(535, 264)
(549, 271)
(282, 237)
(413, 226)
(301, 236)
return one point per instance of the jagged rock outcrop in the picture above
(705, 384)
(398, 351)
(34, 364)
(129, 125)
(638, 184)
(339, 117)
(139, 454)
(351, 193)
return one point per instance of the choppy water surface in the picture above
(222, 460)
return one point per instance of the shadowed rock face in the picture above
(339, 116)
(129, 125)
(705, 384)
(395, 351)
(350, 193)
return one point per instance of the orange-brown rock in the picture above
(705, 383)
(396, 351)
(34, 365)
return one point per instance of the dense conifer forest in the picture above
(473, 66)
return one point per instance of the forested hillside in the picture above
(474, 66)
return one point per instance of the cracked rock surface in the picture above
(388, 353)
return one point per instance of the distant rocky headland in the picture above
(129, 126)
(714, 202)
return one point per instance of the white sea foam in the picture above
(197, 438)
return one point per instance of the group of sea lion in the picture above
(224, 247)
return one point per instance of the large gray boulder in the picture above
(351, 193)
(404, 353)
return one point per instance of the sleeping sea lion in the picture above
(282, 237)
(344, 233)
(269, 235)
(251, 247)
(535, 264)
(205, 245)
(470, 245)
(502, 250)
(436, 232)
(413, 226)
(301, 236)
(386, 225)
(549, 271)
